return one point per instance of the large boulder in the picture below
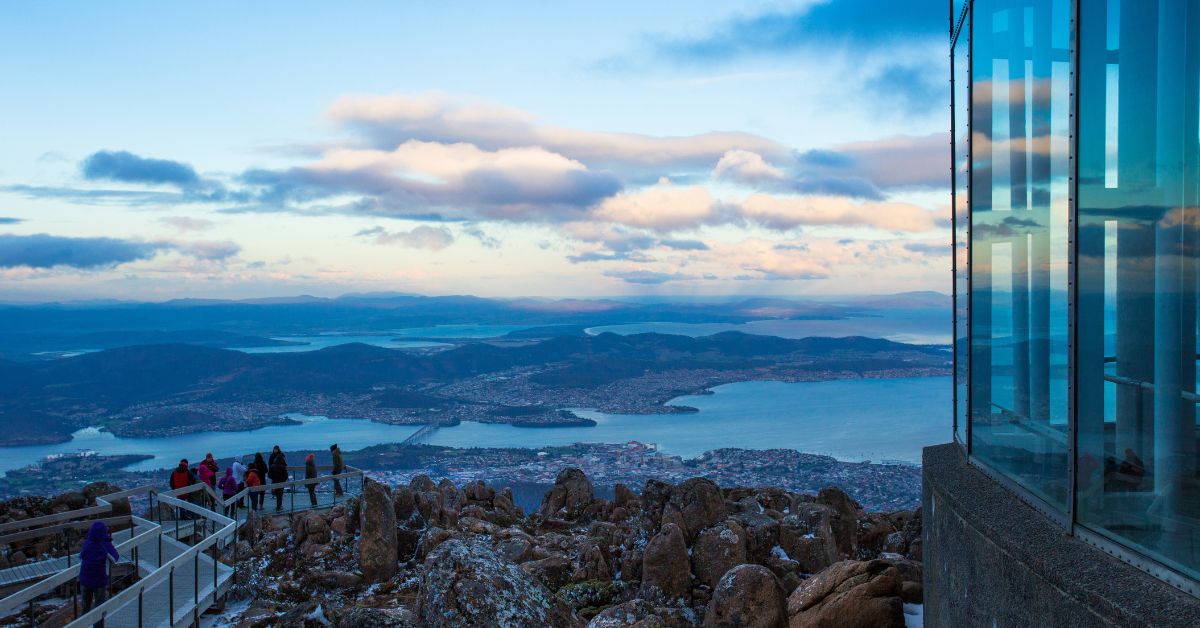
(718, 549)
(762, 534)
(850, 594)
(569, 497)
(844, 516)
(655, 495)
(666, 576)
(700, 504)
(465, 583)
(747, 596)
(625, 498)
(807, 537)
(505, 508)
(378, 551)
(553, 571)
(405, 503)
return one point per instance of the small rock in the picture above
(639, 614)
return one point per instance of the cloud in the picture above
(186, 224)
(390, 121)
(746, 167)
(929, 248)
(46, 251)
(789, 212)
(420, 237)
(662, 207)
(9, 220)
(912, 89)
(127, 167)
(901, 161)
(684, 245)
(861, 23)
(613, 237)
(602, 256)
(97, 196)
(646, 277)
(208, 251)
(749, 169)
(450, 181)
(485, 240)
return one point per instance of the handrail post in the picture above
(141, 591)
(171, 596)
(196, 578)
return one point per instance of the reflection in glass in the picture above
(1139, 144)
(1019, 167)
(962, 97)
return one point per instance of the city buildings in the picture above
(1076, 170)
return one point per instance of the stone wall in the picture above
(992, 560)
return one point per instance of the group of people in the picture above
(260, 472)
(98, 547)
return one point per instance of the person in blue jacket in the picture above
(93, 567)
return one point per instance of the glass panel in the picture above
(962, 97)
(1019, 136)
(1138, 192)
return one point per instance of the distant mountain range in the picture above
(57, 327)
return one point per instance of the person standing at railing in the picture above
(278, 473)
(338, 468)
(93, 565)
(229, 488)
(239, 475)
(207, 475)
(212, 465)
(310, 473)
(181, 477)
(260, 468)
(256, 497)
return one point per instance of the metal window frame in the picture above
(956, 25)
(1068, 520)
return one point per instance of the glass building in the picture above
(1076, 148)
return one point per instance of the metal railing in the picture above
(211, 525)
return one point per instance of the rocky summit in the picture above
(691, 554)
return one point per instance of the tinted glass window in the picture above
(1019, 138)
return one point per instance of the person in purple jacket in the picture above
(93, 565)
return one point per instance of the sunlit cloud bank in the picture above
(449, 192)
(448, 170)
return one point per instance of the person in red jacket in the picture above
(256, 497)
(181, 476)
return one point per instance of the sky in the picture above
(158, 150)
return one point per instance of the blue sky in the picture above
(158, 150)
